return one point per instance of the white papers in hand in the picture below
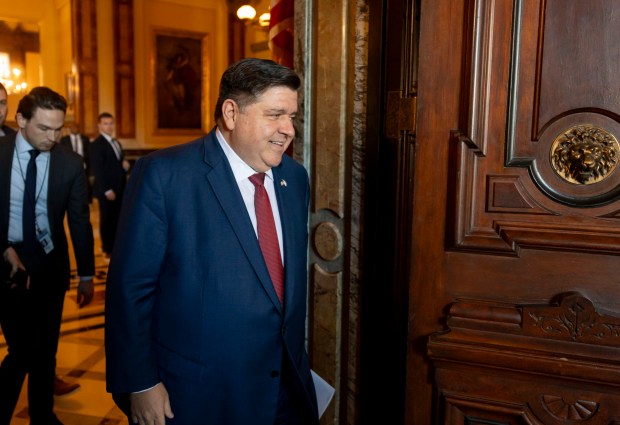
(324, 392)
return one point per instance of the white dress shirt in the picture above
(242, 172)
(76, 143)
(21, 156)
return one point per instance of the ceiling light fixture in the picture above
(12, 78)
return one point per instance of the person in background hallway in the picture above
(61, 387)
(79, 144)
(5, 130)
(110, 168)
(200, 324)
(39, 185)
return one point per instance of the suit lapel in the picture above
(7, 147)
(223, 184)
(284, 199)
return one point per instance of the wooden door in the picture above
(388, 171)
(513, 313)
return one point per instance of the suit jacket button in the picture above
(284, 329)
(275, 373)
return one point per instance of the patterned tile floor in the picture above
(81, 356)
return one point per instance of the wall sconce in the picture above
(263, 20)
(247, 13)
(12, 78)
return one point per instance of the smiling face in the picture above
(260, 132)
(43, 129)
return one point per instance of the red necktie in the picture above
(267, 235)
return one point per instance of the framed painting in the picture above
(180, 81)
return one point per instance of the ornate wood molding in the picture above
(554, 363)
(124, 82)
(575, 319)
(519, 196)
(84, 23)
(578, 411)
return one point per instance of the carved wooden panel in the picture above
(538, 150)
(534, 364)
(84, 22)
(124, 82)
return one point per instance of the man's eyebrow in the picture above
(46, 127)
(279, 111)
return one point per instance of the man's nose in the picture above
(53, 135)
(288, 128)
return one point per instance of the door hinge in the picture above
(400, 114)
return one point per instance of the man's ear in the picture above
(21, 121)
(230, 113)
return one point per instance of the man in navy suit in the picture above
(109, 168)
(31, 309)
(195, 328)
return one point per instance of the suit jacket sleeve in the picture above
(78, 219)
(132, 284)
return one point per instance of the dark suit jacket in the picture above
(66, 194)
(7, 130)
(189, 293)
(107, 169)
(66, 141)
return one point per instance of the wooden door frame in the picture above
(387, 215)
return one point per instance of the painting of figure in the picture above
(179, 81)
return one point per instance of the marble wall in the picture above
(331, 55)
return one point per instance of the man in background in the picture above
(5, 130)
(39, 185)
(61, 387)
(79, 144)
(110, 168)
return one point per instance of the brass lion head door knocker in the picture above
(585, 154)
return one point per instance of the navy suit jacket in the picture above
(189, 293)
(66, 194)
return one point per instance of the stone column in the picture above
(331, 55)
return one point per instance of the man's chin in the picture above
(275, 162)
(47, 148)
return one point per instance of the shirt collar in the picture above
(108, 138)
(240, 169)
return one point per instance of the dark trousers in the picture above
(109, 212)
(31, 325)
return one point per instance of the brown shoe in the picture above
(64, 388)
